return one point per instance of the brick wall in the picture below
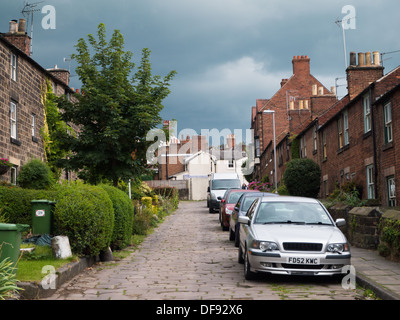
(26, 93)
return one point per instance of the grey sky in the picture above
(227, 53)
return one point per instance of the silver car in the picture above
(291, 236)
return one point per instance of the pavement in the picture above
(376, 273)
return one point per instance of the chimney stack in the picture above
(301, 65)
(360, 75)
(18, 37)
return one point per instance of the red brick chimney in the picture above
(60, 74)
(301, 65)
(361, 75)
(18, 37)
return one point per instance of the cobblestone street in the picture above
(189, 257)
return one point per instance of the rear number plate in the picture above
(298, 260)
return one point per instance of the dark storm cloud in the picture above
(227, 53)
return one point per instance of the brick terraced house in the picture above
(354, 139)
(22, 81)
(300, 98)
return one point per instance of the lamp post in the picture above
(273, 125)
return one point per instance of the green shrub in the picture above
(302, 177)
(35, 175)
(142, 221)
(16, 204)
(123, 217)
(85, 214)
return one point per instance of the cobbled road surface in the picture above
(189, 257)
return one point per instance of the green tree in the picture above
(54, 131)
(114, 112)
(302, 177)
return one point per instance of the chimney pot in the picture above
(314, 89)
(377, 61)
(361, 59)
(368, 58)
(353, 59)
(13, 26)
(21, 26)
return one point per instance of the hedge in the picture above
(85, 214)
(15, 203)
(123, 217)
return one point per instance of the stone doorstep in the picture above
(34, 290)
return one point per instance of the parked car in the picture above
(291, 236)
(240, 209)
(228, 203)
(218, 185)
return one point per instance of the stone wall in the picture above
(374, 228)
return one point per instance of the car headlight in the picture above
(227, 211)
(338, 247)
(265, 245)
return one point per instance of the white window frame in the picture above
(387, 114)
(367, 113)
(315, 144)
(13, 175)
(13, 66)
(346, 127)
(33, 125)
(370, 182)
(391, 191)
(13, 120)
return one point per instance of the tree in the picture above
(302, 177)
(114, 111)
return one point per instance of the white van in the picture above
(219, 183)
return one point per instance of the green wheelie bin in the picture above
(10, 241)
(42, 216)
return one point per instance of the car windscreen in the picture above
(247, 203)
(292, 212)
(234, 197)
(224, 184)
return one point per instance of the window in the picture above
(367, 113)
(13, 64)
(324, 150)
(303, 147)
(13, 120)
(340, 134)
(387, 112)
(346, 127)
(315, 145)
(257, 151)
(391, 191)
(33, 125)
(13, 178)
(370, 182)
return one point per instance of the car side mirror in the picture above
(340, 222)
(219, 198)
(244, 220)
(236, 209)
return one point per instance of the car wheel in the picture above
(231, 234)
(240, 255)
(249, 275)
(237, 237)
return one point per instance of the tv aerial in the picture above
(28, 12)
